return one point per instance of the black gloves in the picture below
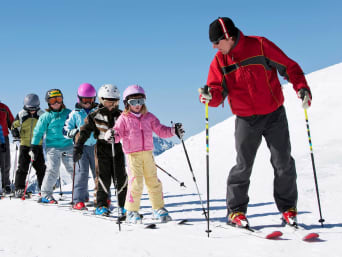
(179, 130)
(34, 152)
(77, 152)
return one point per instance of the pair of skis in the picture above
(299, 231)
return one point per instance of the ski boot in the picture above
(133, 217)
(102, 211)
(47, 200)
(238, 219)
(290, 216)
(18, 193)
(79, 206)
(161, 214)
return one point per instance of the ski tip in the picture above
(181, 222)
(274, 235)
(311, 236)
(151, 226)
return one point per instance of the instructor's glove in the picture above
(306, 97)
(34, 152)
(77, 152)
(205, 95)
(2, 148)
(179, 131)
(109, 135)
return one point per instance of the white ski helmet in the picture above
(108, 91)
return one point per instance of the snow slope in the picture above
(29, 229)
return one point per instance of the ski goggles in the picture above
(86, 100)
(135, 102)
(216, 42)
(54, 100)
(110, 99)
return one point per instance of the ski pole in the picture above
(115, 180)
(193, 177)
(28, 176)
(73, 184)
(321, 220)
(180, 183)
(207, 157)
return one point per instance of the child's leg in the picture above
(53, 163)
(81, 177)
(67, 159)
(153, 184)
(121, 175)
(135, 181)
(39, 166)
(23, 165)
(104, 180)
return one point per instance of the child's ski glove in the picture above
(77, 152)
(109, 135)
(306, 97)
(34, 152)
(179, 131)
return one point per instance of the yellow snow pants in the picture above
(140, 166)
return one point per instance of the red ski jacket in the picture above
(248, 75)
(6, 118)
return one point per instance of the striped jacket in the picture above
(98, 122)
(248, 75)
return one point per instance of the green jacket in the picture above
(24, 123)
(51, 124)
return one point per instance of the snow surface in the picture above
(29, 229)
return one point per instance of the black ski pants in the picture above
(105, 171)
(23, 166)
(248, 135)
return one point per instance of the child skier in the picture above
(86, 95)
(22, 129)
(58, 147)
(99, 122)
(135, 127)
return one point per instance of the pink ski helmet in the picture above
(133, 90)
(86, 90)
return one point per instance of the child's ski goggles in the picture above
(86, 100)
(135, 102)
(54, 100)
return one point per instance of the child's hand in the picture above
(109, 135)
(179, 130)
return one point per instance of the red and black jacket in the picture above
(6, 118)
(248, 75)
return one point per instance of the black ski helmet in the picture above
(53, 93)
(31, 102)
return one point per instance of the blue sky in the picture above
(161, 45)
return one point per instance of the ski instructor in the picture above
(245, 70)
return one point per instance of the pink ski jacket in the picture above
(136, 133)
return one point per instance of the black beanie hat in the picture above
(221, 25)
